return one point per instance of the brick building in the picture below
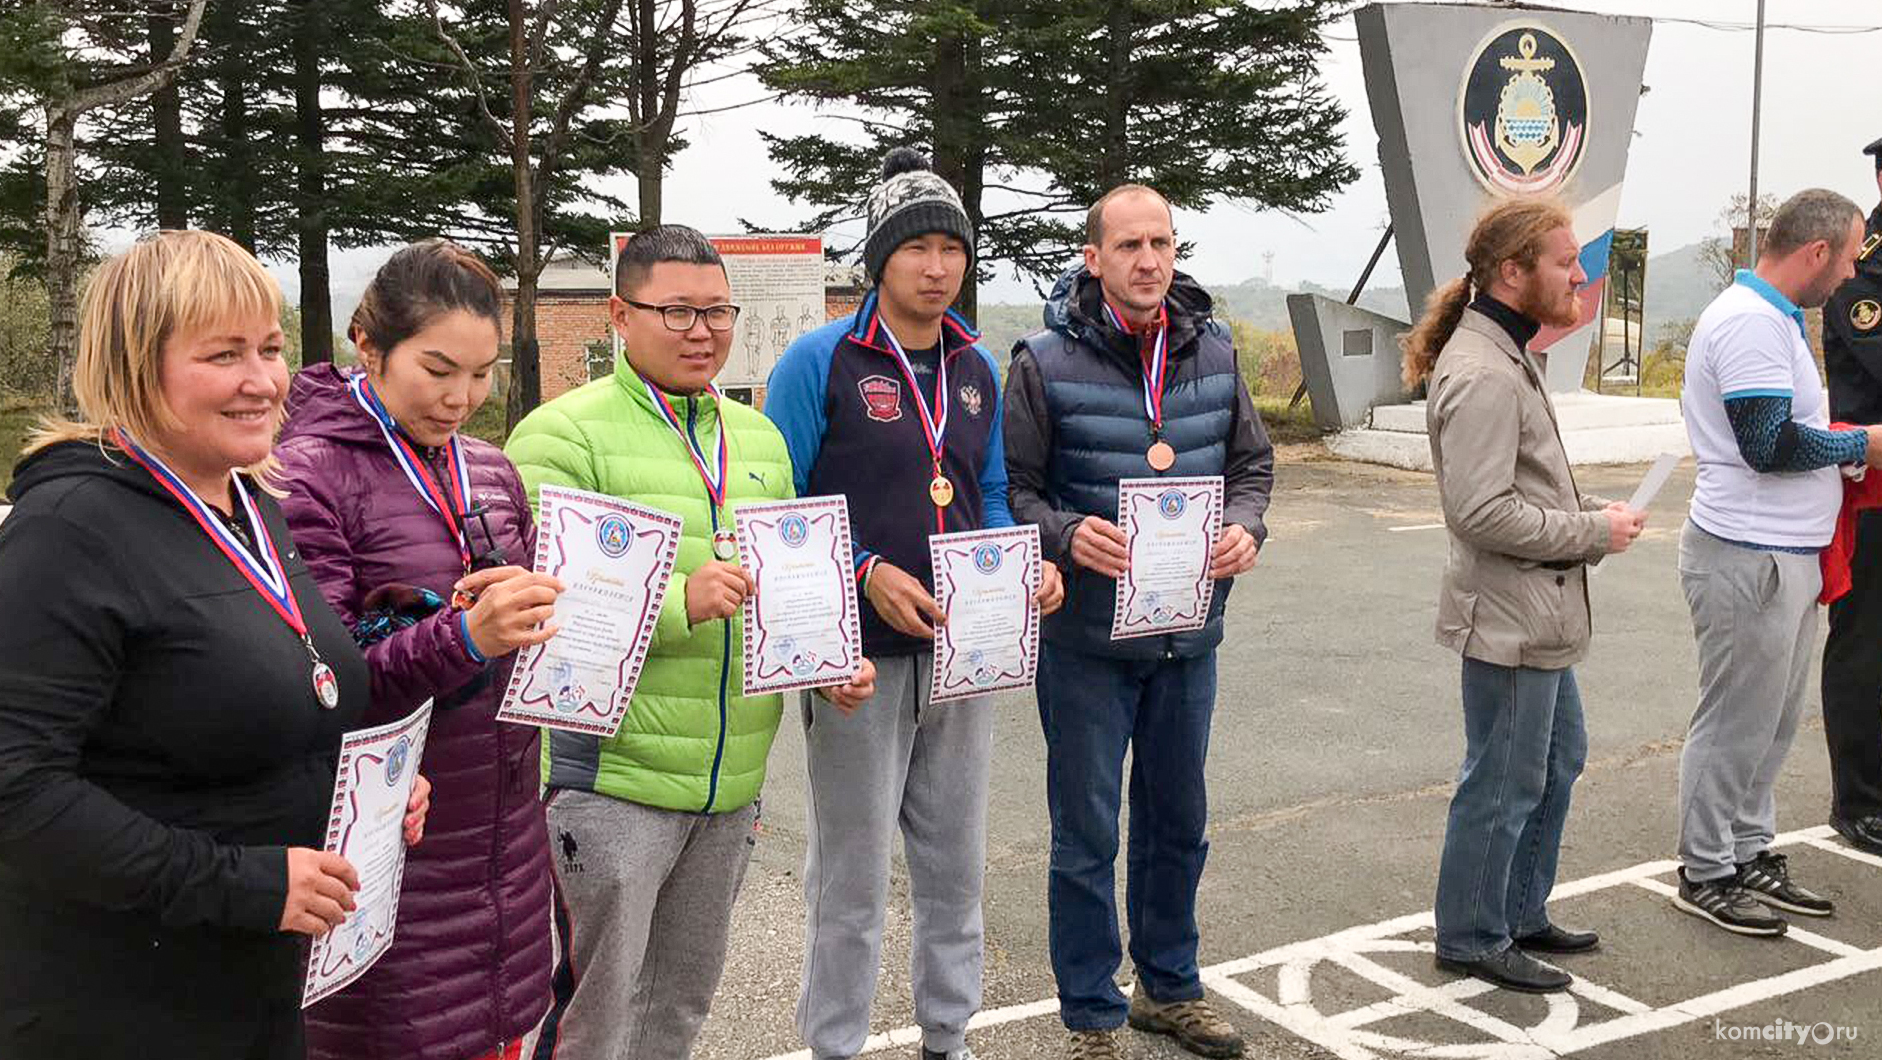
(572, 320)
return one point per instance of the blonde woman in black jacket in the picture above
(172, 688)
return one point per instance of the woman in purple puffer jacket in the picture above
(419, 538)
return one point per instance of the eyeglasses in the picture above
(678, 317)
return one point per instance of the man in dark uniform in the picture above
(1852, 660)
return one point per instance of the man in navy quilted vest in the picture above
(1084, 408)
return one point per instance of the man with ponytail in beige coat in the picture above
(1515, 598)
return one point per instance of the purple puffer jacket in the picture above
(470, 968)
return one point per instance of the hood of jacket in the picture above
(1075, 309)
(71, 460)
(321, 405)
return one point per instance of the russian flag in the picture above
(1596, 214)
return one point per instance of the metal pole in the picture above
(1385, 239)
(1757, 89)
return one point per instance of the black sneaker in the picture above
(1728, 905)
(1768, 878)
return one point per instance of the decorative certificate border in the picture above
(826, 672)
(329, 968)
(565, 509)
(942, 550)
(1204, 488)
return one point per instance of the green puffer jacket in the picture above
(690, 740)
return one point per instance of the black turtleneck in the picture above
(1521, 329)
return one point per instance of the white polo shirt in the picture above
(1750, 343)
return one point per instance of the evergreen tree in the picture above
(1034, 108)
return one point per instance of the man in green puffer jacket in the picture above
(653, 827)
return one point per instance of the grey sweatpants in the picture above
(647, 896)
(1754, 615)
(898, 761)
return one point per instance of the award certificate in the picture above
(366, 826)
(985, 582)
(614, 558)
(801, 627)
(1171, 525)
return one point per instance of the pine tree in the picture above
(1034, 108)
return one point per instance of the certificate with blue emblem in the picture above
(615, 558)
(801, 626)
(987, 583)
(366, 826)
(1171, 525)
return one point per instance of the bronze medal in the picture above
(1161, 456)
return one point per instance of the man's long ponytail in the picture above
(1512, 230)
(1433, 330)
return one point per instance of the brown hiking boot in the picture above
(1093, 1045)
(1194, 1025)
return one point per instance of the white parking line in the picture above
(1561, 1032)
(1420, 526)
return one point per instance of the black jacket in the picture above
(1852, 336)
(1075, 425)
(160, 747)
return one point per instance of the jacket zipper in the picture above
(491, 881)
(725, 639)
(940, 518)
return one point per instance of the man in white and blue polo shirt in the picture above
(1765, 505)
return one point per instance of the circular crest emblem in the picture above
(1865, 315)
(397, 759)
(1172, 503)
(612, 535)
(987, 559)
(793, 530)
(362, 944)
(1523, 110)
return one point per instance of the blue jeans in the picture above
(1093, 709)
(1524, 745)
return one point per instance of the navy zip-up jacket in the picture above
(842, 403)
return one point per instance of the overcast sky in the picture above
(1691, 151)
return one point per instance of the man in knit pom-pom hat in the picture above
(898, 409)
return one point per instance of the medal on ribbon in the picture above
(1161, 456)
(261, 567)
(452, 504)
(711, 470)
(934, 423)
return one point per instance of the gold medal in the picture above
(941, 491)
(1160, 456)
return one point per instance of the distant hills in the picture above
(1679, 284)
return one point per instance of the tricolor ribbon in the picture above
(1153, 367)
(262, 571)
(452, 507)
(711, 472)
(933, 426)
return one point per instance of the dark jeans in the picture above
(1524, 745)
(1093, 709)
(1852, 681)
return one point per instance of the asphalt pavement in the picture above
(1336, 740)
